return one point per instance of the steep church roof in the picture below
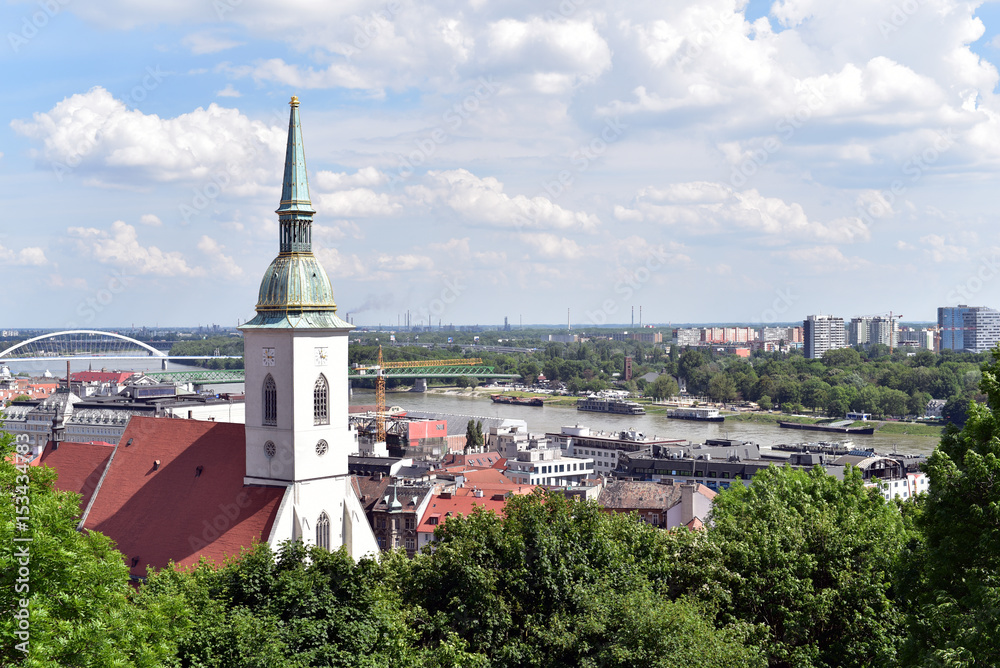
(174, 492)
(295, 290)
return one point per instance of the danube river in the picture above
(552, 418)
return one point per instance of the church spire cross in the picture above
(295, 211)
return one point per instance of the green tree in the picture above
(952, 583)
(663, 387)
(815, 393)
(474, 438)
(75, 584)
(844, 358)
(764, 402)
(721, 388)
(555, 582)
(955, 410)
(807, 559)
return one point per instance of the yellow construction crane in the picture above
(379, 370)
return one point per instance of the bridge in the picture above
(90, 344)
(206, 376)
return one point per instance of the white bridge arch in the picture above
(90, 332)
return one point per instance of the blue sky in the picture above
(709, 160)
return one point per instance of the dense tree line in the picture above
(843, 380)
(800, 569)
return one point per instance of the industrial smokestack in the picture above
(568, 324)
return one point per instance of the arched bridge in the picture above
(80, 344)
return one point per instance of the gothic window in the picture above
(321, 401)
(323, 531)
(270, 417)
(269, 449)
(321, 447)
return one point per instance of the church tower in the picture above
(295, 350)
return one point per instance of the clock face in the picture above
(268, 356)
(320, 356)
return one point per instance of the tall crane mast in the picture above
(379, 370)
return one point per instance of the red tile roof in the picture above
(174, 511)
(441, 507)
(79, 466)
(485, 477)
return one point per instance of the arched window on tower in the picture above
(321, 401)
(323, 531)
(270, 416)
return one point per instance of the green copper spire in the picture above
(295, 187)
(295, 211)
(295, 290)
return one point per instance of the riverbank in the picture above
(884, 428)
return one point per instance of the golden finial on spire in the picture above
(294, 102)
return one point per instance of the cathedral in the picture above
(178, 490)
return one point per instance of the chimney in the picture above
(687, 503)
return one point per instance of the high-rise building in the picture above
(822, 333)
(857, 331)
(982, 328)
(951, 326)
(870, 330)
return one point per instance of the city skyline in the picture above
(711, 161)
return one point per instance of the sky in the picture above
(706, 160)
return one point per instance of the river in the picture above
(553, 418)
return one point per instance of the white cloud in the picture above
(340, 265)
(26, 257)
(483, 200)
(120, 246)
(219, 260)
(150, 220)
(97, 134)
(822, 260)
(714, 208)
(201, 43)
(366, 176)
(354, 203)
(405, 262)
(229, 91)
(552, 246)
(939, 250)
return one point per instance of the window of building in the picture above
(411, 523)
(322, 447)
(321, 401)
(270, 417)
(411, 544)
(269, 449)
(323, 531)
